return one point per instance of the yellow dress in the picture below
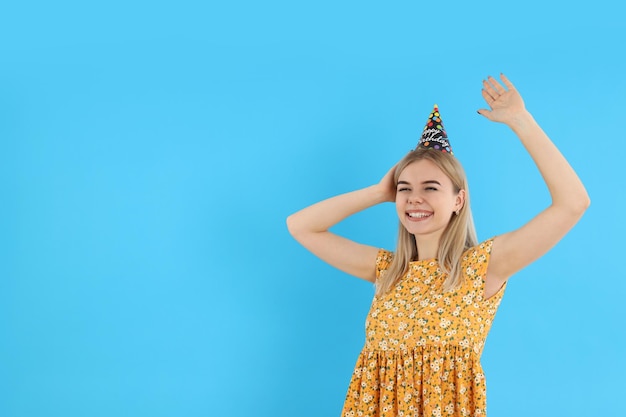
(422, 349)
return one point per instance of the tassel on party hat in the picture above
(434, 135)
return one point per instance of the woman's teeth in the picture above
(419, 215)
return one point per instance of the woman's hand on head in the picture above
(387, 185)
(506, 104)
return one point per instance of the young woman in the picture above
(436, 296)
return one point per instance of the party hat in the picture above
(434, 135)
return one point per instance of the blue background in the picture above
(151, 151)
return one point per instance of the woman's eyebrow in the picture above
(423, 182)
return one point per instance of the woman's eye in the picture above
(403, 189)
(430, 189)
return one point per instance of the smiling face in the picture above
(426, 199)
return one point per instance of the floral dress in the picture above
(422, 350)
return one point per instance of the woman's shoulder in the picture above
(383, 260)
(476, 259)
(484, 247)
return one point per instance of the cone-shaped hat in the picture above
(434, 135)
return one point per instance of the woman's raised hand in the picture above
(387, 186)
(505, 103)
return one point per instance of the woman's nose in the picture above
(415, 198)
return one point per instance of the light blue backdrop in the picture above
(151, 151)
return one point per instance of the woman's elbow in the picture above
(584, 203)
(292, 224)
(578, 207)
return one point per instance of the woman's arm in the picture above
(310, 225)
(515, 250)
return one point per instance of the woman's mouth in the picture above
(419, 215)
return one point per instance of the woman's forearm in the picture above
(321, 216)
(566, 189)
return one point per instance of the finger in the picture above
(488, 98)
(490, 90)
(484, 112)
(506, 82)
(498, 87)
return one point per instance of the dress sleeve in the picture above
(475, 264)
(383, 259)
(476, 260)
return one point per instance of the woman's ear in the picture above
(460, 200)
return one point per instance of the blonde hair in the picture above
(458, 236)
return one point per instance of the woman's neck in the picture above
(427, 247)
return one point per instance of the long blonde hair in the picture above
(458, 236)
